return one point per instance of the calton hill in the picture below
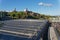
(26, 14)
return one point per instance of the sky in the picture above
(47, 7)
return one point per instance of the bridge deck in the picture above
(26, 28)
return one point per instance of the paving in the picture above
(22, 28)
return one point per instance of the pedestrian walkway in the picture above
(53, 35)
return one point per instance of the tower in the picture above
(25, 10)
(15, 10)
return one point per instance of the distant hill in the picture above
(23, 15)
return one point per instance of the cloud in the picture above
(45, 4)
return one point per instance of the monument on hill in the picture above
(25, 10)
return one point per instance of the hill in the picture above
(22, 15)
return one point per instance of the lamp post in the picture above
(1, 15)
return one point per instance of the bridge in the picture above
(30, 29)
(27, 29)
(53, 32)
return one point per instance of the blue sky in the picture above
(47, 7)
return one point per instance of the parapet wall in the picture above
(51, 34)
